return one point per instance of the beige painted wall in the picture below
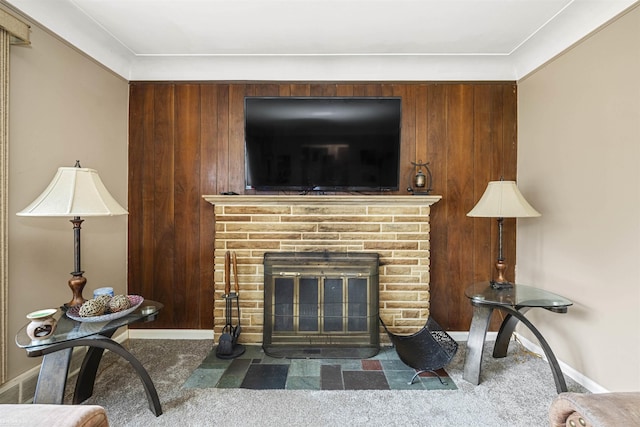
(578, 164)
(63, 107)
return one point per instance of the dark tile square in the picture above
(365, 380)
(371, 365)
(233, 375)
(252, 352)
(229, 381)
(303, 383)
(331, 377)
(238, 367)
(212, 360)
(400, 380)
(203, 378)
(265, 377)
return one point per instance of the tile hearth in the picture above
(256, 370)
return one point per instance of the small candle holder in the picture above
(42, 325)
(103, 291)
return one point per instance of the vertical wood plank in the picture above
(459, 188)
(147, 280)
(270, 89)
(300, 89)
(162, 164)
(136, 181)
(208, 180)
(222, 169)
(344, 90)
(373, 89)
(422, 122)
(237, 93)
(488, 132)
(509, 161)
(488, 135)
(187, 199)
(359, 89)
(440, 285)
(407, 135)
(284, 90)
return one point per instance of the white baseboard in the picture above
(463, 336)
(578, 377)
(588, 383)
(171, 334)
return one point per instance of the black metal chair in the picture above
(428, 350)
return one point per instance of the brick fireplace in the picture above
(394, 227)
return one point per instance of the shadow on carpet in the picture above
(256, 370)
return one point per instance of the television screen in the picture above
(322, 143)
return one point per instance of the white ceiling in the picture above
(322, 39)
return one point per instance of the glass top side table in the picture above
(57, 350)
(515, 302)
(519, 295)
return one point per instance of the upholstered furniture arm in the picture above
(595, 410)
(45, 415)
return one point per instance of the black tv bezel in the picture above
(340, 188)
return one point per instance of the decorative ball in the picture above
(119, 303)
(92, 307)
(104, 299)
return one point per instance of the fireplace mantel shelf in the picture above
(255, 200)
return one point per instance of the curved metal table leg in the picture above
(88, 371)
(561, 385)
(97, 344)
(87, 375)
(51, 385)
(504, 334)
(475, 343)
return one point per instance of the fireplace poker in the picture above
(236, 330)
(228, 346)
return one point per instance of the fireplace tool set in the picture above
(228, 347)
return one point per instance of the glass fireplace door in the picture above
(328, 302)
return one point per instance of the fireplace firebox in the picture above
(321, 305)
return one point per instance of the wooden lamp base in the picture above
(76, 283)
(500, 282)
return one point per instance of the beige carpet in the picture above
(515, 391)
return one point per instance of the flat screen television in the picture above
(322, 143)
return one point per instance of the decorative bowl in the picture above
(135, 301)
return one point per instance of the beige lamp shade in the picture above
(502, 199)
(75, 192)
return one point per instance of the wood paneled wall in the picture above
(187, 139)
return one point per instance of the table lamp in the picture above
(500, 200)
(75, 192)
